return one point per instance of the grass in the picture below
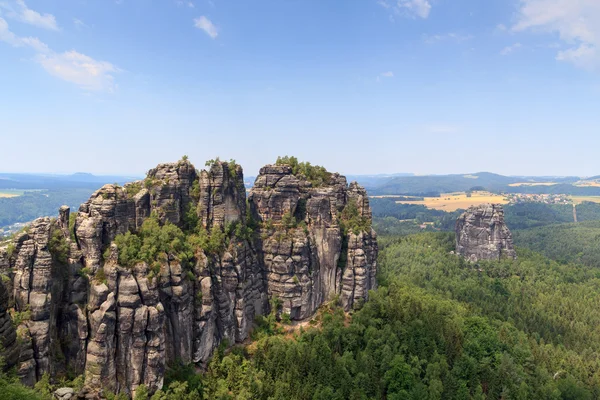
(532, 184)
(581, 199)
(454, 201)
(7, 193)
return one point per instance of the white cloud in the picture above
(207, 26)
(451, 37)
(6, 35)
(18, 10)
(35, 44)
(384, 3)
(585, 56)
(181, 3)
(509, 49)
(420, 8)
(80, 69)
(9, 37)
(577, 22)
(79, 23)
(411, 8)
(385, 75)
(70, 66)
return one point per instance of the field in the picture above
(581, 199)
(7, 193)
(588, 184)
(532, 184)
(454, 201)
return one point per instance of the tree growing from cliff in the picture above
(154, 242)
(212, 162)
(315, 174)
(57, 245)
(352, 221)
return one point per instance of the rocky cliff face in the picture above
(481, 234)
(87, 304)
(308, 258)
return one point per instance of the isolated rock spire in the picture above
(481, 234)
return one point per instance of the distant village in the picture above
(12, 229)
(515, 198)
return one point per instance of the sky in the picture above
(359, 86)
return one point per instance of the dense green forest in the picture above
(35, 204)
(391, 218)
(566, 243)
(437, 328)
(393, 226)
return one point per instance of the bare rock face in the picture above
(121, 325)
(308, 258)
(222, 195)
(33, 271)
(10, 348)
(481, 234)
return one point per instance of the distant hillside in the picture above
(433, 185)
(373, 181)
(49, 193)
(421, 185)
(40, 181)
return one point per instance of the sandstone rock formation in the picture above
(81, 308)
(311, 259)
(481, 234)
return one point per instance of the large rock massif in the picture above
(481, 234)
(78, 310)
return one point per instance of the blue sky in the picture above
(360, 86)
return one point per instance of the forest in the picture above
(578, 243)
(438, 327)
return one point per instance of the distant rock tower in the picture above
(481, 234)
